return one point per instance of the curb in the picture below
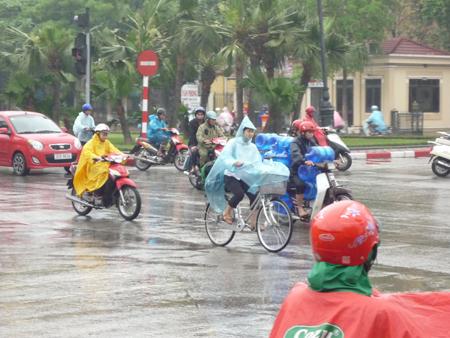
(387, 154)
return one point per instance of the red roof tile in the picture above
(406, 46)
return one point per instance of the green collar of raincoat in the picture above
(326, 277)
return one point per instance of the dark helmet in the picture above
(86, 106)
(160, 111)
(200, 110)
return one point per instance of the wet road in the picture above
(159, 276)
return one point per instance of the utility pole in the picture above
(326, 109)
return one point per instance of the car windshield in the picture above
(34, 124)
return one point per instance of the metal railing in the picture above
(407, 123)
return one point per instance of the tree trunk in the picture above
(239, 69)
(179, 79)
(56, 101)
(207, 77)
(275, 123)
(123, 122)
(304, 80)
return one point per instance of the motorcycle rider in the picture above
(240, 170)
(157, 132)
(194, 124)
(92, 175)
(299, 148)
(205, 133)
(339, 300)
(375, 122)
(225, 120)
(84, 124)
(319, 134)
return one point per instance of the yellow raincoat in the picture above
(92, 175)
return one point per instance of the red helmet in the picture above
(305, 126)
(296, 124)
(310, 110)
(344, 233)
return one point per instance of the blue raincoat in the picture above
(377, 119)
(155, 135)
(254, 172)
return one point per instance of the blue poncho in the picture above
(377, 118)
(155, 135)
(254, 172)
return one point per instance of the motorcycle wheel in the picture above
(131, 206)
(196, 182)
(79, 208)
(343, 161)
(439, 170)
(141, 165)
(180, 159)
(343, 197)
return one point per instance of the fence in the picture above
(407, 123)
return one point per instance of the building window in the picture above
(425, 93)
(373, 93)
(339, 99)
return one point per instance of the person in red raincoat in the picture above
(339, 301)
(319, 134)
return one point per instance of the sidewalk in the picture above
(370, 154)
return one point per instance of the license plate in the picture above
(63, 156)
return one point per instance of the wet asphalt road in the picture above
(159, 276)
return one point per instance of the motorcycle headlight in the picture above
(36, 144)
(114, 172)
(77, 143)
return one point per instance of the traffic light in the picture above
(79, 52)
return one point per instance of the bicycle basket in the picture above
(278, 188)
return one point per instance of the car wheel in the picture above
(20, 165)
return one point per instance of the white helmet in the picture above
(101, 127)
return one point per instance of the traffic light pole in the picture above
(88, 57)
(88, 67)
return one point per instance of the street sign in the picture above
(147, 63)
(189, 95)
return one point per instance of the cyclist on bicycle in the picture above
(240, 170)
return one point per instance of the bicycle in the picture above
(273, 220)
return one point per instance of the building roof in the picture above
(409, 47)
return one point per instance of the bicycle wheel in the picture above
(219, 232)
(274, 225)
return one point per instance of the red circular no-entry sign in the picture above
(147, 63)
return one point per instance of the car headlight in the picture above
(36, 144)
(77, 143)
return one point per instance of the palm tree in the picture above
(44, 54)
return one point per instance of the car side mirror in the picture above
(4, 131)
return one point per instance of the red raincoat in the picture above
(307, 313)
(319, 134)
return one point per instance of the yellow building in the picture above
(407, 76)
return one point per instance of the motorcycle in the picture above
(197, 177)
(322, 187)
(147, 155)
(343, 160)
(125, 195)
(440, 155)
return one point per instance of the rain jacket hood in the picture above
(89, 175)
(254, 172)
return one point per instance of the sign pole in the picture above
(147, 64)
(145, 96)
